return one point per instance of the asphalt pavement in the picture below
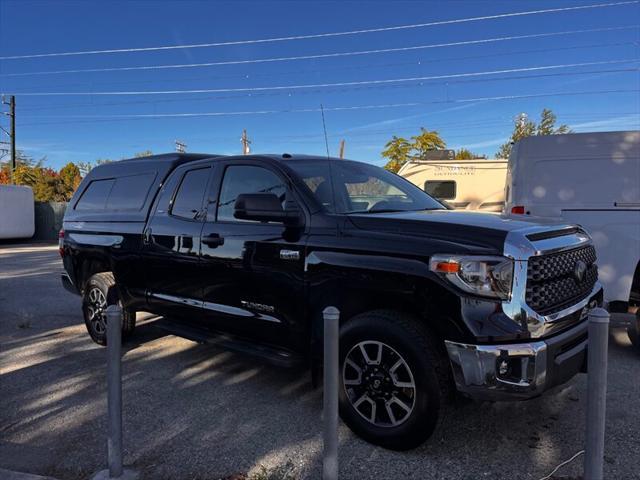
(197, 412)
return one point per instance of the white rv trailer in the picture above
(16, 212)
(464, 184)
(590, 179)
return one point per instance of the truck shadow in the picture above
(195, 411)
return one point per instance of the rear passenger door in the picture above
(172, 243)
(254, 276)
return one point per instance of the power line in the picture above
(94, 119)
(325, 35)
(323, 55)
(342, 68)
(328, 85)
(339, 90)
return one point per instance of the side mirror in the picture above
(266, 207)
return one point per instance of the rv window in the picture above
(441, 189)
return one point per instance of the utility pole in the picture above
(12, 134)
(245, 143)
(181, 147)
(341, 148)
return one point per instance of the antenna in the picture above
(324, 126)
(326, 143)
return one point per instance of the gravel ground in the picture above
(196, 412)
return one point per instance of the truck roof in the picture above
(163, 163)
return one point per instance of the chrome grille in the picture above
(551, 284)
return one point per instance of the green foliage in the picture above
(70, 176)
(426, 142)
(47, 184)
(464, 154)
(399, 150)
(145, 153)
(527, 128)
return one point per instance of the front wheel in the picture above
(99, 293)
(394, 379)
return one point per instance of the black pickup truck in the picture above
(249, 250)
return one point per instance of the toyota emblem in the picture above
(579, 271)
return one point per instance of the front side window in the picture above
(441, 189)
(359, 187)
(240, 179)
(188, 200)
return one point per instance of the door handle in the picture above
(213, 240)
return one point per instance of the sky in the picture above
(470, 92)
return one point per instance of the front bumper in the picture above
(520, 370)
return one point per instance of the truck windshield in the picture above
(343, 186)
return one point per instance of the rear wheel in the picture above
(99, 293)
(394, 379)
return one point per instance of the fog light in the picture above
(503, 368)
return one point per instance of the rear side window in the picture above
(246, 179)
(129, 193)
(441, 189)
(95, 196)
(117, 194)
(188, 200)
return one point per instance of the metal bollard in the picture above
(114, 387)
(331, 317)
(596, 393)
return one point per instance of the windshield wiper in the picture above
(395, 210)
(382, 210)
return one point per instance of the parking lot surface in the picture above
(196, 412)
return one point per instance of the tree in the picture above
(525, 128)
(70, 178)
(145, 153)
(464, 154)
(70, 175)
(547, 125)
(397, 152)
(86, 167)
(47, 184)
(25, 175)
(427, 141)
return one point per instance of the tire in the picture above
(634, 331)
(409, 356)
(99, 293)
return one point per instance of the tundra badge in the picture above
(289, 255)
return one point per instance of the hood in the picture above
(480, 229)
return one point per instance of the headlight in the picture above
(486, 276)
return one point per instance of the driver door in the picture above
(254, 276)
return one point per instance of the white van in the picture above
(590, 179)
(16, 212)
(464, 184)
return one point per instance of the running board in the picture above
(270, 354)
